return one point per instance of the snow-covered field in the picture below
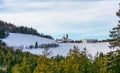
(92, 48)
(24, 39)
(17, 39)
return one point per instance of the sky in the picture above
(80, 19)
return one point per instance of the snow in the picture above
(16, 39)
(92, 48)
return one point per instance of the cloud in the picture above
(66, 16)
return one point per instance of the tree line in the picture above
(15, 61)
(5, 28)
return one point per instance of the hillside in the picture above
(64, 48)
(6, 28)
(17, 39)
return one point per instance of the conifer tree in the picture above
(36, 45)
(115, 35)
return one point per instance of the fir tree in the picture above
(115, 35)
(36, 45)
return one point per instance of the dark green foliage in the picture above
(15, 61)
(1, 71)
(5, 28)
(113, 58)
(2, 43)
(115, 35)
(113, 61)
(36, 45)
(58, 58)
(2, 34)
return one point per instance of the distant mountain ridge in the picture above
(6, 28)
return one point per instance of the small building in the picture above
(84, 41)
(65, 39)
(89, 41)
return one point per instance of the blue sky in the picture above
(81, 19)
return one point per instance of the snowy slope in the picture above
(17, 39)
(26, 40)
(92, 48)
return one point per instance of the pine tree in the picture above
(36, 45)
(2, 33)
(115, 35)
